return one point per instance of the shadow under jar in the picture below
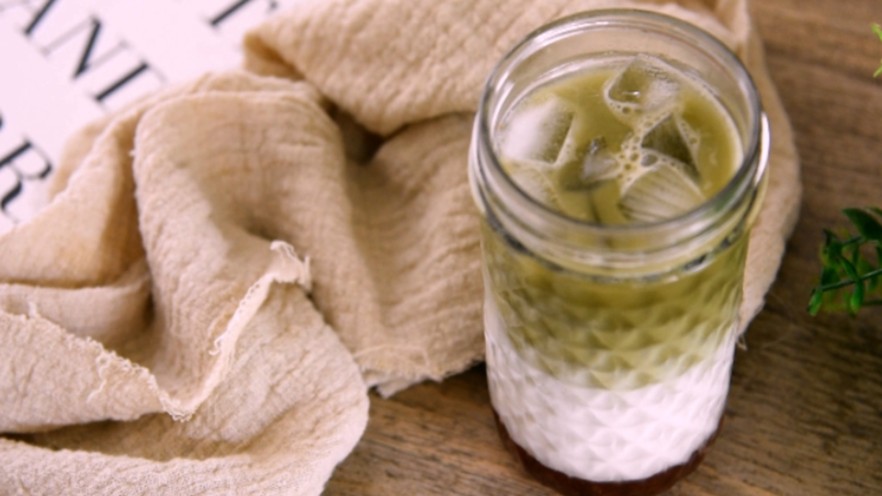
(618, 160)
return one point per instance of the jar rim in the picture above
(755, 154)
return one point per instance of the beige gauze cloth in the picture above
(222, 275)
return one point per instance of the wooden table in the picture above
(805, 408)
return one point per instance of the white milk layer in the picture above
(603, 435)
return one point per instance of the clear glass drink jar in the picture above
(618, 160)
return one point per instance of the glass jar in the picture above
(609, 347)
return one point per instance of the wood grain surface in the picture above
(804, 415)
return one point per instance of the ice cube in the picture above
(534, 183)
(596, 166)
(599, 163)
(536, 134)
(645, 84)
(671, 139)
(663, 192)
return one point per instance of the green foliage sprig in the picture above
(850, 277)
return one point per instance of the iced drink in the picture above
(620, 140)
(608, 363)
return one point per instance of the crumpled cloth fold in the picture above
(228, 266)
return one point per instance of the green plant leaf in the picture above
(815, 302)
(856, 301)
(865, 223)
(829, 275)
(851, 276)
(832, 250)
